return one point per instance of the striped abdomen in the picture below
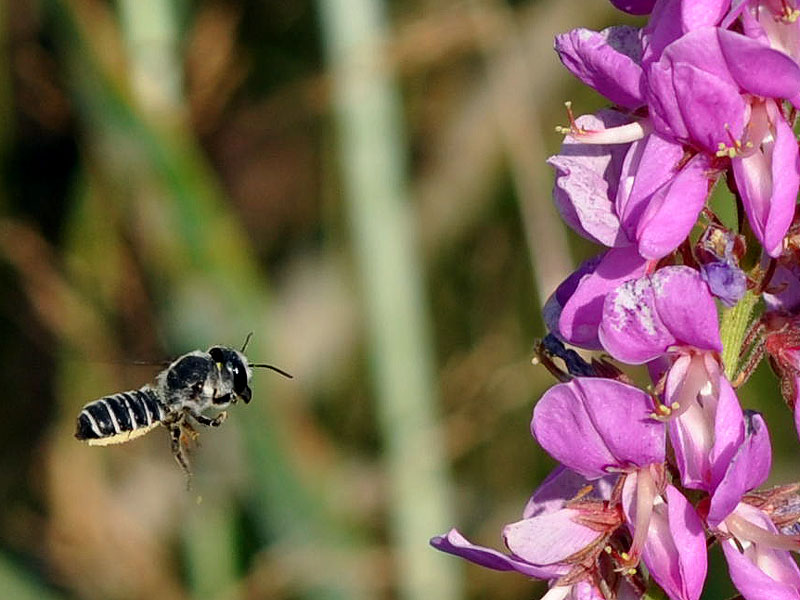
(120, 418)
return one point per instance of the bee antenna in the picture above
(246, 341)
(272, 368)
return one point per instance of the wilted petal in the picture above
(608, 61)
(725, 280)
(673, 210)
(581, 314)
(532, 539)
(596, 426)
(644, 317)
(783, 294)
(768, 180)
(749, 467)
(455, 543)
(586, 181)
(761, 572)
(675, 550)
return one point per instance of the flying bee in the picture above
(181, 394)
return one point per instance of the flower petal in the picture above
(761, 573)
(797, 405)
(700, 14)
(768, 181)
(706, 436)
(644, 317)
(532, 539)
(673, 210)
(586, 181)
(749, 467)
(607, 61)
(596, 426)
(582, 313)
(454, 543)
(675, 547)
(649, 164)
(562, 485)
(635, 7)
(757, 68)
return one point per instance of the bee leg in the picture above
(175, 434)
(209, 422)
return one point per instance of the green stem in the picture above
(735, 322)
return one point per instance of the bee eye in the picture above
(239, 377)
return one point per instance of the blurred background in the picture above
(360, 183)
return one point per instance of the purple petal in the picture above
(594, 426)
(532, 539)
(562, 485)
(708, 104)
(706, 436)
(644, 317)
(699, 49)
(631, 330)
(649, 164)
(582, 313)
(737, 6)
(455, 543)
(673, 210)
(551, 312)
(768, 181)
(663, 28)
(586, 180)
(687, 308)
(725, 280)
(607, 61)
(749, 467)
(797, 404)
(784, 294)
(692, 95)
(700, 14)
(757, 68)
(675, 551)
(747, 569)
(729, 431)
(635, 7)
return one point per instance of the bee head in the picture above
(233, 367)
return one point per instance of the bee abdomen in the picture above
(120, 417)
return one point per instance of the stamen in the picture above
(788, 14)
(622, 134)
(745, 530)
(736, 147)
(662, 412)
(645, 496)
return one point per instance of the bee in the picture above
(180, 395)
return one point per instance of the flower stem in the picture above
(735, 322)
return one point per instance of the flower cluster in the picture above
(706, 90)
